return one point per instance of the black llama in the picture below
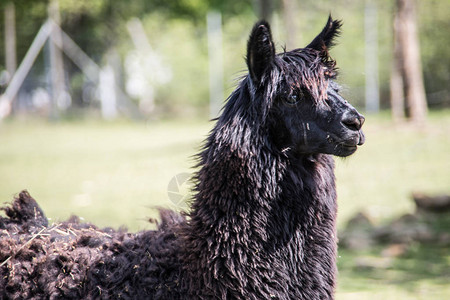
(262, 222)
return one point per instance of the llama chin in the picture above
(263, 219)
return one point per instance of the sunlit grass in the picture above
(422, 273)
(111, 174)
(395, 161)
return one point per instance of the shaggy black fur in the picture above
(262, 223)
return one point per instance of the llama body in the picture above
(262, 222)
(271, 239)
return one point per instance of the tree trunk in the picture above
(372, 94)
(396, 84)
(56, 61)
(10, 41)
(289, 16)
(265, 8)
(408, 62)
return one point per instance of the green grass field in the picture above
(114, 173)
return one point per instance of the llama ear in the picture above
(260, 51)
(326, 39)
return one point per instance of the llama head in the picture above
(302, 107)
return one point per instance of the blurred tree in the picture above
(406, 78)
(289, 16)
(397, 96)
(434, 44)
(98, 26)
(56, 62)
(103, 21)
(10, 41)
(265, 9)
(29, 16)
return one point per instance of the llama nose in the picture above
(353, 121)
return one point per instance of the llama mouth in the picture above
(344, 150)
(362, 138)
(354, 142)
(344, 147)
(350, 147)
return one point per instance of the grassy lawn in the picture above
(422, 273)
(112, 174)
(395, 161)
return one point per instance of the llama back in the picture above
(74, 260)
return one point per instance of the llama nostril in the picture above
(353, 122)
(361, 120)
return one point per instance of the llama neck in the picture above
(269, 202)
(256, 209)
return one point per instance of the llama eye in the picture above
(292, 99)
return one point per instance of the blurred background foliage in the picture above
(177, 32)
